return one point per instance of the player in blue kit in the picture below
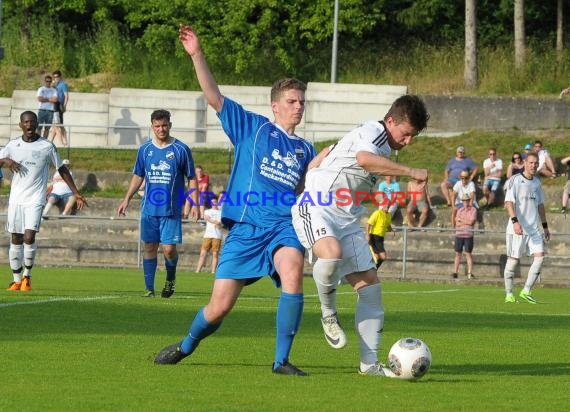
(163, 164)
(270, 161)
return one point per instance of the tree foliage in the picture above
(248, 40)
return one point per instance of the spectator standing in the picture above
(203, 187)
(391, 189)
(524, 202)
(47, 96)
(465, 186)
(464, 224)
(163, 164)
(60, 193)
(29, 157)
(213, 234)
(62, 101)
(452, 170)
(493, 170)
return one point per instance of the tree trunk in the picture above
(519, 34)
(559, 27)
(470, 74)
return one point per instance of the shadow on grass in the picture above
(523, 369)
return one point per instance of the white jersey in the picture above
(340, 176)
(526, 195)
(29, 186)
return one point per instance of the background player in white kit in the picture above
(524, 202)
(29, 157)
(334, 233)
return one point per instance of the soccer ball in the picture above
(409, 358)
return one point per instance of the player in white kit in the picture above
(327, 220)
(524, 201)
(29, 157)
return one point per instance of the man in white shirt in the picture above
(546, 166)
(493, 169)
(47, 96)
(346, 172)
(29, 157)
(524, 202)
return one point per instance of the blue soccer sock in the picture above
(149, 270)
(199, 329)
(170, 265)
(289, 311)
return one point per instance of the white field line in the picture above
(262, 298)
(62, 299)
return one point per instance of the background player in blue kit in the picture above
(162, 164)
(271, 161)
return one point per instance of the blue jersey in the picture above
(164, 171)
(268, 166)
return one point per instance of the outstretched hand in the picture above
(189, 39)
(80, 201)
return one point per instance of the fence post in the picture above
(405, 252)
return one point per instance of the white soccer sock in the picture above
(29, 257)
(326, 280)
(369, 322)
(509, 274)
(16, 253)
(533, 273)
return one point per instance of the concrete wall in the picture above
(121, 118)
(458, 114)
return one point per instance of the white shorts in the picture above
(519, 245)
(313, 223)
(24, 217)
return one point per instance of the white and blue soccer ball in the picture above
(409, 358)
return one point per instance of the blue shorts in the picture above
(63, 198)
(161, 229)
(492, 184)
(452, 181)
(248, 251)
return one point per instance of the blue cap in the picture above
(528, 147)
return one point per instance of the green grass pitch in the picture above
(84, 340)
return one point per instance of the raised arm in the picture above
(208, 84)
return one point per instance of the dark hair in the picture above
(515, 154)
(538, 142)
(283, 85)
(57, 73)
(409, 108)
(160, 115)
(28, 113)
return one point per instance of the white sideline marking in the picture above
(39, 302)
